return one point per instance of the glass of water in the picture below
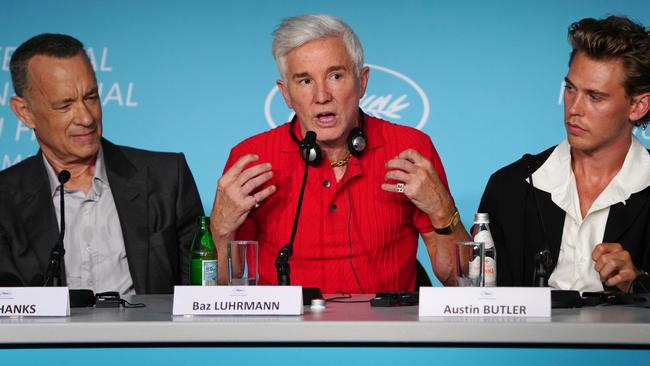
(470, 259)
(242, 263)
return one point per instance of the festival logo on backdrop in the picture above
(390, 95)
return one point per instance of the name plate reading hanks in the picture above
(238, 300)
(520, 302)
(34, 301)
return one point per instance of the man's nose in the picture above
(323, 94)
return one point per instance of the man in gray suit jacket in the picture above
(129, 213)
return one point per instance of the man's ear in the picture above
(285, 92)
(21, 109)
(640, 106)
(363, 80)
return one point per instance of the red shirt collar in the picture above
(372, 131)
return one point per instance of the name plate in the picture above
(34, 301)
(520, 302)
(237, 300)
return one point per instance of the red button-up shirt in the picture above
(380, 236)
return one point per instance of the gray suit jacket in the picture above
(157, 204)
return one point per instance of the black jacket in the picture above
(516, 220)
(157, 204)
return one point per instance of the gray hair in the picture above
(295, 31)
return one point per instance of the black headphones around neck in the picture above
(311, 152)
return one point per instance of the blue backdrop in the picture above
(482, 78)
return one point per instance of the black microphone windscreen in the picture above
(64, 176)
(309, 148)
(10, 280)
(310, 137)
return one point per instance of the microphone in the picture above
(309, 148)
(543, 259)
(64, 177)
(53, 272)
(543, 263)
(310, 153)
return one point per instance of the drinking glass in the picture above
(242, 263)
(469, 267)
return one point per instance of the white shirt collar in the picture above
(556, 177)
(634, 175)
(100, 174)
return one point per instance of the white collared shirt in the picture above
(575, 268)
(95, 256)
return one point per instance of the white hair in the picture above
(295, 31)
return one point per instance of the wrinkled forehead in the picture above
(50, 74)
(326, 50)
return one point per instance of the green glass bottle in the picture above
(203, 255)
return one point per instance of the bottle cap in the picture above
(481, 218)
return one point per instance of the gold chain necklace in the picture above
(340, 163)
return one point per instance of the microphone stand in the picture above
(543, 259)
(543, 263)
(53, 272)
(282, 260)
(540, 273)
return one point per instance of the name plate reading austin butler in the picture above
(520, 302)
(237, 300)
(34, 301)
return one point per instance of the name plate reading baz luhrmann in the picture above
(34, 301)
(237, 300)
(521, 302)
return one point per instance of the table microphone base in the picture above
(310, 293)
(81, 298)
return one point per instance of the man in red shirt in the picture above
(380, 184)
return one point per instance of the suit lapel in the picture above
(621, 216)
(551, 215)
(553, 218)
(129, 186)
(39, 216)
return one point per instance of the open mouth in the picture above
(326, 117)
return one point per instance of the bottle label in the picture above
(490, 272)
(209, 277)
(484, 237)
